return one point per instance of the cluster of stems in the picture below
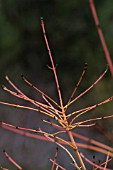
(63, 122)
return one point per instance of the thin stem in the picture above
(55, 157)
(76, 87)
(28, 108)
(92, 141)
(55, 125)
(76, 150)
(106, 162)
(84, 92)
(90, 162)
(74, 162)
(104, 45)
(38, 104)
(59, 166)
(53, 109)
(53, 67)
(38, 90)
(91, 108)
(12, 160)
(94, 148)
(59, 140)
(90, 120)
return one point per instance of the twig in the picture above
(84, 92)
(74, 162)
(76, 87)
(104, 45)
(59, 166)
(12, 160)
(55, 157)
(52, 62)
(106, 162)
(90, 108)
(90, 162)
(38, 90)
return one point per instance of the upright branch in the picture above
(61, 101)
(88, 89)
(104, 45)
(52, 62)
(76, 87)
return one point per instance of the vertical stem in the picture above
(52, 62)
(76, 150)
(60, 98)
(53, 68)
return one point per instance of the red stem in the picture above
(104, 45)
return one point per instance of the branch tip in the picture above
(41, 18)
(22, 75)
(2, 86)
(6, 77)
(86, 65)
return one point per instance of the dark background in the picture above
(74, 40)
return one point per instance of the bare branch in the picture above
(104, 45)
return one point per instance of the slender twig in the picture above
(42, 106)
(58, 166)
(54, 161)
(91, 108)
(38, 90)
(79, 124)
(104, 45)
(12, 160)
(28, 108)
(92, 141)
(106, 162)
(76, 87)
(74, 162)
(95, 165)
(84, 92)
(52, 62)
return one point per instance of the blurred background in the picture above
(74, 41)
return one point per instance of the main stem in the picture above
(76, 151)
